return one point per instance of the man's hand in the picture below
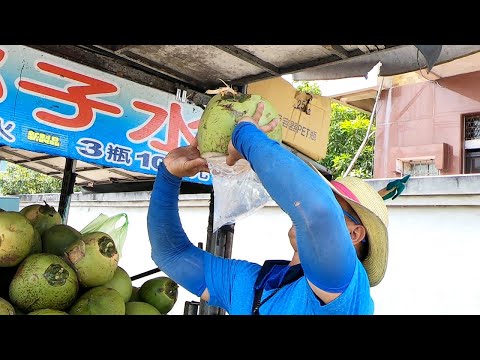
(185, 161)
(233, 155)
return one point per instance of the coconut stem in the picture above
(223, 90)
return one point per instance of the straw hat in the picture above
(372, 211)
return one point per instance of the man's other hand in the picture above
(233, 155)
(186, 161)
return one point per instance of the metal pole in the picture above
(68, 184)
(204, 308)
(367, 135)
(191, 308)
(218, 243)
(146, 273)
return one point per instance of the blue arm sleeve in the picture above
(325, 248)
(172, 251)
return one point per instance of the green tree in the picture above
(20, 180)
(308, 87)
(348, 128)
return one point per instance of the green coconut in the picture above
(94, 257)
(6, 308)
(222, 114)
(43, 281)
(140, 308)
(134, 296)
(161, 292)
(16, 238)
(42, 216)
(121, 282)
(47, 312)
(57, 238)
(99, 300)
(37, 243)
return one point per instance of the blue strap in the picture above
(267, 272)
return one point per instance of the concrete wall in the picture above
(434, 244)
(434, 265)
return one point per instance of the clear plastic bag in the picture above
(116, 226)
(238, 191)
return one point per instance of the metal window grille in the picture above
(472, 144)
(472, 127)
(420, 168)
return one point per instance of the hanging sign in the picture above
(59, 107)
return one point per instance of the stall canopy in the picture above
(186, 72)
(395, 60)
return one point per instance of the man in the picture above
(339, 235)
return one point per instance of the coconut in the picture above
(16, 238)
(134, 296)
(94, 258)
(41, 216)
(57, 238)
(48, 312)
(99, 300)
(222, 114)
(121, 282)
(161, 292)
(6, 308)
(37, 243)
(43, 281)
(140, 308)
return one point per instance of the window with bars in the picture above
(472, 127)
(419, 168)
(472, 144)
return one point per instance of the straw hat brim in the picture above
(376, 260)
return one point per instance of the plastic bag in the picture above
(238, 191)
(112, 225)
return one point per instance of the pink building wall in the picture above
(425, 119)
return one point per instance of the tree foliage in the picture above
(308, 87)
(20, 180)
(348, 128)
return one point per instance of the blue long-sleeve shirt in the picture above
(325, 249)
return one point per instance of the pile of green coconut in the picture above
(51, 268)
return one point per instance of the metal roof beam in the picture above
(117, 48)
(364, 48)
(288, 70)
(251, 59)
(337, 50)
(152, 65)
(118, 65)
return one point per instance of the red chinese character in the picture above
(152, 125)
(176, 126)
(2, 84)
(78, 95)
